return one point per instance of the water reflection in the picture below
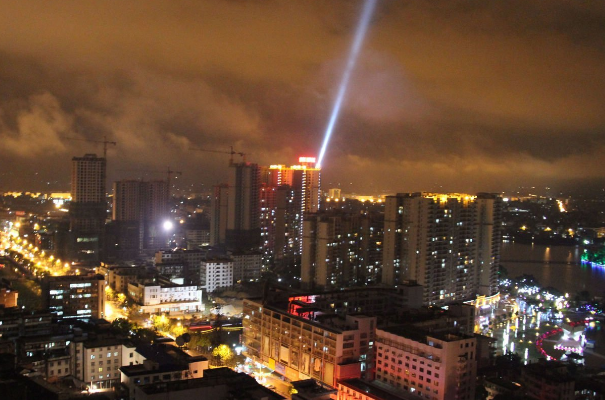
(557, 266)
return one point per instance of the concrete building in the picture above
(154, 298)
(217, 384)
(246, 266)
(356, 389)
(47, 355)
(219, 204)
(290, 193)
(179, 263)
(159, 363)
(8, 295)
(341, 248)
(243, 217)
(118, 276)
(216, 274)
(144, 203)
(448, 243)
(96, 362)
(548, 381)
(16, 322)
(88, 207)
(74, 296)
(328, 349)
(437, 366)
(197, 237)
(191, 257)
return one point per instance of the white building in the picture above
(215, 274)
(166, 298)
(436, 366)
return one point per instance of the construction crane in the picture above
(231, 152)
(104, 141)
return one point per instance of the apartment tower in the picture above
(448, 243)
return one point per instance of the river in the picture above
(556, 266)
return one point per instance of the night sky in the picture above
(446, 95)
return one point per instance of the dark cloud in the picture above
(446, 94)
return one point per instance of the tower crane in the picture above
(231, 152)
(104, 141)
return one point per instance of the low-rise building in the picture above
(48, 355)
(17, 322)
(246, 266)
(548, 380)
(8, 295)
(499, 386)
(118, 277)
(217, 384)
(160, 363)
(327, 348)
(74, 296)
(216, 274)
(153, 298)
(96, 362)
(356, 389)
(436, 366)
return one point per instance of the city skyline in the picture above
(451, 96)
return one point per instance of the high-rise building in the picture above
(88, 209)
(243, 217)
(448, 243)
(218, 217)
(341, 248)
(290, 193)
(141, 204)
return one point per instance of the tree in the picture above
(222, 353)
(122, 325)
(202, 340)
(160, 322)
(177, 329)
(145, 335)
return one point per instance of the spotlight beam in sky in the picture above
(366, 15)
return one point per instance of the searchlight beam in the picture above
(366, 15)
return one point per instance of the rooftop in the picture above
(375, 390)
(420, 335)
(240, 385)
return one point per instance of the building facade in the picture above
(75, 296)
(154, 298)
(216, 274)
(144, 203)
(243, 208)
(96, 363)
(292, 192)
(448, 243)
(246, 266)
(341, 248)
(439, 366)
(298, 348)
(88, 207)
